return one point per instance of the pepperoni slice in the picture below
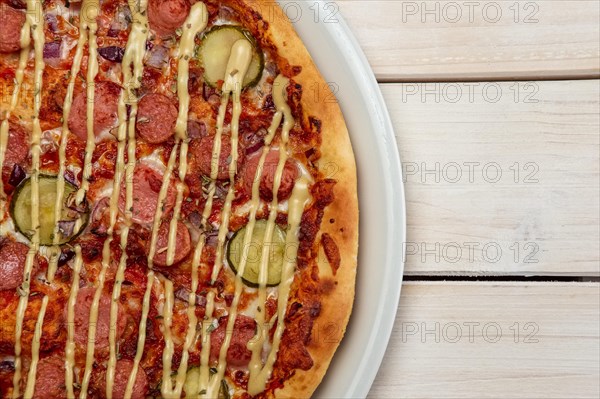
(12, 22)
(156, 118)
(85, 297)
(122, 371)
(183, 244)
(106, 99)
(147, 183)
(17, 149)
(289, 175)
(50, 378)
(13, 256)
(243, 331)
(201, 152)
(165, 16)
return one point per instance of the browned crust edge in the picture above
(337, 159)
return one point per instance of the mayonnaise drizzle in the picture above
(239, 61)
(132, 67)
(60, 182)
(258, 377)
(35, 21)
(35, 349)
(237, 67)
(89, 13)
(4, 127)
(194, 24)
(70, 346)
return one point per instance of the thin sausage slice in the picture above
(12, 22)
(183, 244)
(289, 175)
(147, 183)
(106, 99)
(165, 16)
(201, 154)
(17, 149)
(50, 378)
(243, 331)
(85, 297)
(13, 256)
(122, 370)
(156, 118)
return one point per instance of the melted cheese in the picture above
(33, 17)
(237, 67)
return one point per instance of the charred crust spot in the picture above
(315, 124)
(332, 252)
(323, 193)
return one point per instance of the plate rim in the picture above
(389, 298)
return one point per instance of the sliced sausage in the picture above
(85, 297)
(156, 118)
(183, 244)
(106, 99)
(201, 153)
(50, 378)
(165, 16)
(122, 371)
(17, 149)
(147, 183)
(243, 331)
(289, 175)
(13, 256)
(12, 22)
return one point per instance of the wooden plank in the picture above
(482, 40)
(555, 353)
(508, 186)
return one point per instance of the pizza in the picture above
(178, 200)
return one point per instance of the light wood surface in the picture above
(545, 219)
(480, 40)
(515, 340)
(506, 187)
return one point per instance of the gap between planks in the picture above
(449, 40)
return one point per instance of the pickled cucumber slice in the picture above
(216, 49)
(69, 228)
(191, 387)
(255, 249)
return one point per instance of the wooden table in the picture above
(496, 111)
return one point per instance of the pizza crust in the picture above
(336, 151)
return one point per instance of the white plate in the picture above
(381, 196)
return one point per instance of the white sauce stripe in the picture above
(60, 182)
(132, 66)
(70, 347)
(4, 127)
(194, 24)
(34, 18)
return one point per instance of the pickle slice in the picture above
(191, 387)
(69, 228)
(216, 49)
(255, 249)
